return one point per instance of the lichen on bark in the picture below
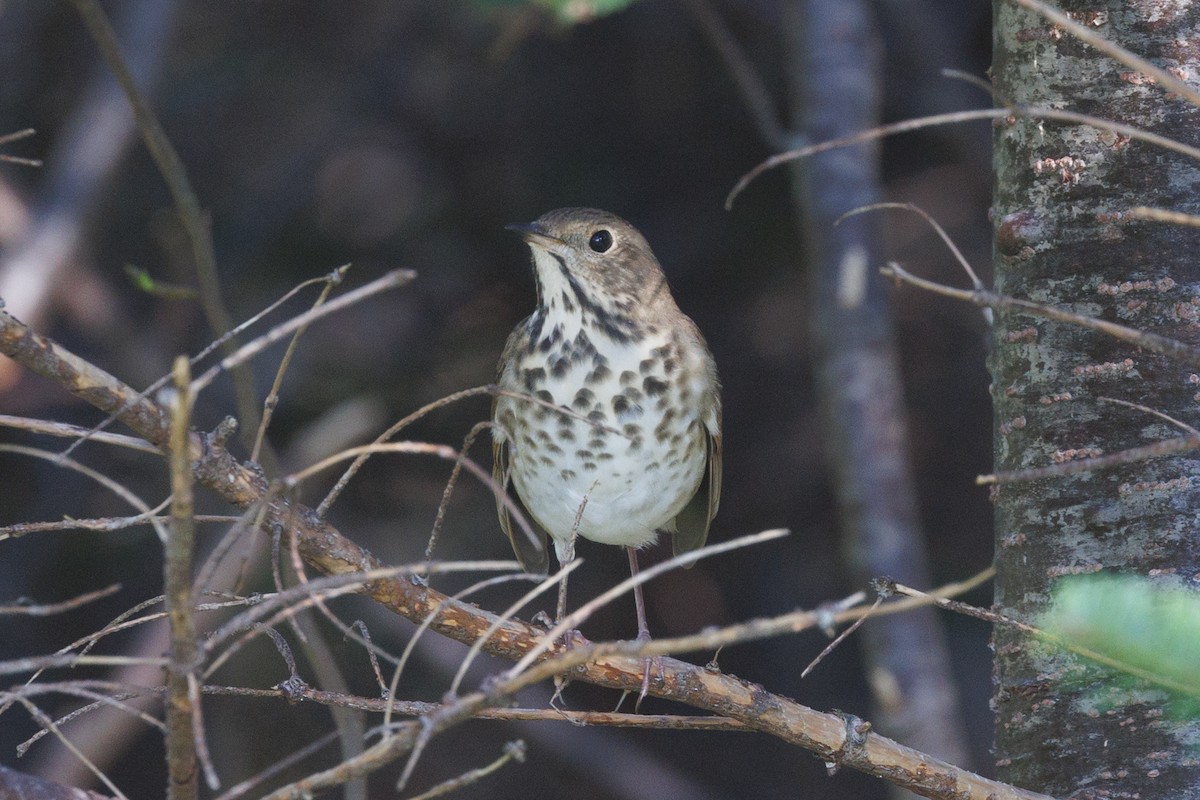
(1063, 237)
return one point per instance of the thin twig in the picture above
(750, 86)
(544, 585)
(574, 619)
(1172, 348)
(415, 708)
(1114, 51)
(42, 719)
(353, 469)
(204, 353)
(1183, 426)
(116, 488)
(514, 750)
(278, 766)
(330, 585)
(391, 280)
(1163, 215)
(490, 389)
(272, 400)
(170, 166)
(12, 137)
(424, 625)
(66, 430)
(937, 228)
(422, 448)
(182, 781)
(50, 609)
(1132, 455)
(439, 518)
(324, 548)
(1192, 690)
(957, 118)
(843, 636)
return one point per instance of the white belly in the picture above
(618, 484)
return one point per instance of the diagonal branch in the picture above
(838, 740)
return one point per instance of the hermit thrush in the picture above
(626, 441)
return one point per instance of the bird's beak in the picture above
(535, 235)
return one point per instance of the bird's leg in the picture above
(643, 634)
(565, 556)
(638, 600)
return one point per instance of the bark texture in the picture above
(1061, 239)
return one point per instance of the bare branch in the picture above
(1172, 348)
(324, 548)
(957, 118)
(1114, 51)
(182, 776)
(50, 609)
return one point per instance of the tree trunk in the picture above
(1060, 192)
(836, 83)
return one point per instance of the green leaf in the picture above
(1133, 625)
(570, 12)
(145, 282)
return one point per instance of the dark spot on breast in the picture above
(589, 466)
(533, 325)
(632, 430)
(584, 455)
(567, 474)
(553, 449)
(605, 456)
(669, 365)
(653, 386)
(626, 408)
(559, 368)
(646, 366)
(596, 415)
(566, 434)
(549, 462)
(541, 412)
(583, 398)
(582, 343)
(668, 417)
(628, 378)
(533, 378)
(554, 337)
(597, 443)
(599, 373)
(568, 304)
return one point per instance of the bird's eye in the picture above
(601, 240)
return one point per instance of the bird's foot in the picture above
(651, 665)
(570, 640)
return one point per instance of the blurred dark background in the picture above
(389, 134)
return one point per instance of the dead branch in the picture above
(836, 740)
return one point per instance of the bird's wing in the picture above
(691, 526)
(528, 545)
